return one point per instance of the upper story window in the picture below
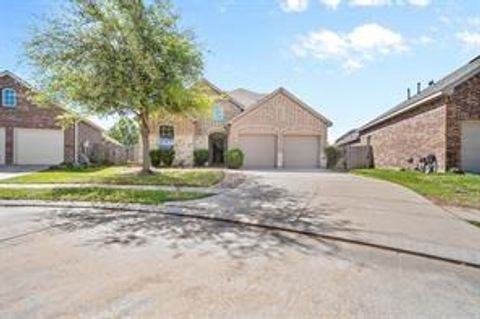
(166, 137)
(218, 114)
(9, 97)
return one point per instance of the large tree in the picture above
(119, 57)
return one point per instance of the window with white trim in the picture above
(166, 137)
(9, 97)
(218, 114)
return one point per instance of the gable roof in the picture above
(246, 97)
(349, 137)
(282, 90)
(443, 86)
(217, 90)
(30, 87)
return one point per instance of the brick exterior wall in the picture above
(28, 115)
(411, 135)
(192, 134)
(463, 105)
(87, 132)
(281, 116)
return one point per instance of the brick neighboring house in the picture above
(443, 119)
(30, 135)
(273, 130)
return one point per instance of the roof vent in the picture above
(419, 87)
(432, 82)
(409, 94)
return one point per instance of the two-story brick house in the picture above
(30, 134)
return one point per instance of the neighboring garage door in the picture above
(301, 152)
(38, 146)
(2, 145)
(471, 146)
(259, 150)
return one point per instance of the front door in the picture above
(217, 147)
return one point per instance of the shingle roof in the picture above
(245, 97)
(349, 137)
(451, 80)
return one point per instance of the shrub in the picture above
(155, 157)
(333, 155)
(200, 157)
(167, 157)
(234, 158)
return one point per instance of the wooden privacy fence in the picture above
(352, 157)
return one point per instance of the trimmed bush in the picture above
(167, 157)
(200, 157)
(234, 158)
(155, 157)
(333, 156)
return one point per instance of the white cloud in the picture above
(370, 3)
(352, 50)
(294, 5)
(332, 4)
(419, 3)
(470, 39)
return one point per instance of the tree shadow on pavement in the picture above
(251, 202)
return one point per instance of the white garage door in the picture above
(38, 146)
(471, 146)
(259, 150)
(2, 145)
(301, 152)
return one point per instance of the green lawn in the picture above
(445, 189)
(94, 194)
(121, 175)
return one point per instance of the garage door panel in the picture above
(259, 150)
(471, 146)
(38, 146)
(301, 151)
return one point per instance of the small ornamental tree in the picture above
(117, 57)
(125, 130)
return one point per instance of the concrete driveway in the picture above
(345, 205)
(94, 263)
(10, 171)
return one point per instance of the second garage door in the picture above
(471, 146)
(259, 150)
(301, 152)
(38, 146)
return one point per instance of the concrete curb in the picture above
(209, 190)
(158, 210)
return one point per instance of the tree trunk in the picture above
(145, 132)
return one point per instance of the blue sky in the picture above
(349, 59)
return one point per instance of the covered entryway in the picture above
(259, 150)
(38, 146)
(2, 145)
(301, 151)
(217, 144)
(471, 146)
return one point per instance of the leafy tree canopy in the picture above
(123, 57)
(125, 131)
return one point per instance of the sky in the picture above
(349, 59)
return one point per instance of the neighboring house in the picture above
(30, 135)
(350, 138)
(273, 130)
(443, 120)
